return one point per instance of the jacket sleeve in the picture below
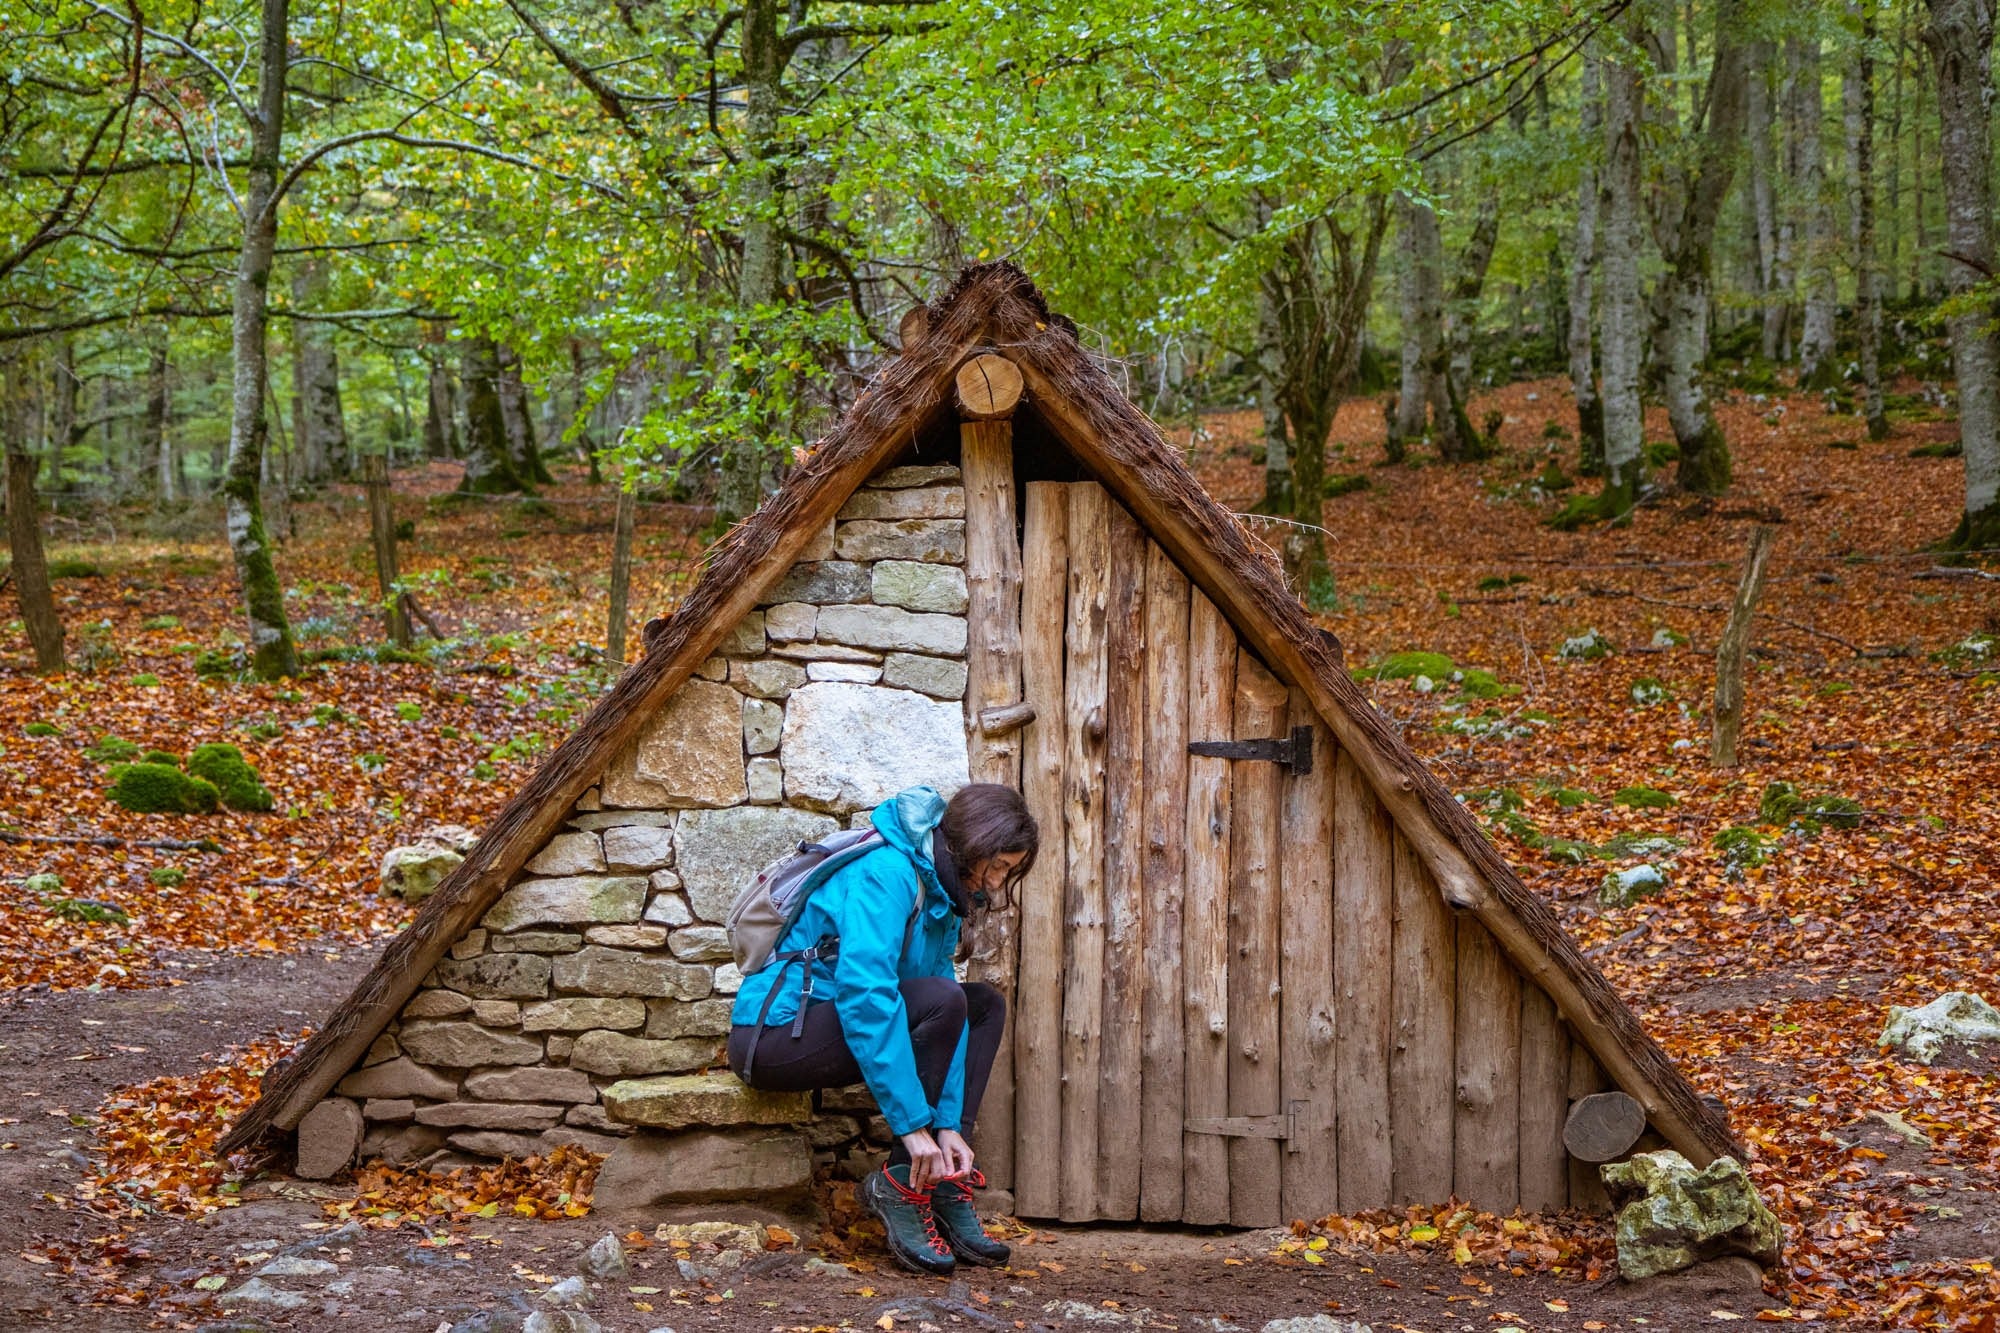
(874, 905)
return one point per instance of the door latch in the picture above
(1294, 752)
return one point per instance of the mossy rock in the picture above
(1623, 888)
(167, 757)
(1569, 798)
(167, 877)
(1647, 691)
(89, 910)
(42, 882)
(154, 789)
(1588, 646)
(1743, 847)
(232, 774)
(217, 662)
(1939, 449)
(145, 678)
(1643, 798)
(1478, 683)
(74, 567)
(41, 729)
(1783, 803)
(1407, 666)
(110, 749)
(161, 622)
(1346, 483)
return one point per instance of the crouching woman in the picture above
(881, 1006)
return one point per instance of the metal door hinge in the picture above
(1295, 751)
(1283, 1127)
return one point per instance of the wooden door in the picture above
(1173, 989)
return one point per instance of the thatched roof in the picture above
(995, 307)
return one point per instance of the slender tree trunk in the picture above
(1960, 38)
(155, 437)
(272, 653)
(1921, 266)
(319, 426)
(1704, 466)
(440, 411)
(1277, 444)
(1858, 111)
(621, 576)
(759, 289)
(1780, 304)
(30, 568)
(1583, 265)
(1816, 331)
(62, 416)
(519, 420)
(1774, 301)
(1420, 294)
(489, 464)
(1620, 323)
(1894, 186)
(1457, 438)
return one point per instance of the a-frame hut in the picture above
(1267, 966)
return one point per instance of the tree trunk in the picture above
(441, 410)
(1457, 440)
(518, 420)
(24, 521)
(1816, 332)
(1894, 188)
(1420, 294)
(1277, 444)
(621, 576)
(155, 438)
(319, 429)
(1960, 38)
(1704, 466)
(62, 414)
(759, 288)
(1583, 265)
(272, 653)
(489, 465)
(1782, 323)
(1620, 327)
(1858, 107)
(1775, 302)
(382, 532)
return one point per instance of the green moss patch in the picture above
(153, 789)
(232, 774)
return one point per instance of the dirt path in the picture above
(62, 1055)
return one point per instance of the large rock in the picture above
(913, 502)
(413, 872)
(702, 944)
(822, 584)
(690, 753)
(1622, 888)
(919, 587)
(699, 1166)
(575, 900)
(1671, 1216)
(789, 622)
(398, 1078)
(568, 854)
(685, 1018)
(939, 677)
(850, 747)
(581, 1013)
(524, 1084)
(601, 971)
(497, 976)
(1921, 1033)
(935, 540)
(892, 629)
(639, 847)
(767, 677)
(680, 1100)
(328, 1138)
(721, 849)
(467, 1045)
(626, 1057)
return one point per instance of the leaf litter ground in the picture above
(1765, 967)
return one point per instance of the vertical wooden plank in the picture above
(1205, 911)
(993, 679)
(1305, 1002)
(1586, 1076)
(1119, 1065)
(1255, 1170)
(1424, 964)
(1037, 1018)
(1486, 1135)
(1544, 1103)
(1363, 885)
(1084, 689)
(1161, 1077)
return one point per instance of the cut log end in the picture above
(915, 324)
(1603, 1127)
(989, 386)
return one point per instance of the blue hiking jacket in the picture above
(867, 903)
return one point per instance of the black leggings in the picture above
(938, 1008)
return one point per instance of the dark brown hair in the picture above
(986, 819)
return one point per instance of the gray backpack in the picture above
(770, 904)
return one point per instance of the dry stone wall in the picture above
(594, 997)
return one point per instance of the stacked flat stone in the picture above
(592, 998)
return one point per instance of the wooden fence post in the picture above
(621, 575)
(1735, 646)
(382, 528)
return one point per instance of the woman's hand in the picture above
(927, 1160)
(957, 1152)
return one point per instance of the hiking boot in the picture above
(907, 1218)
(951, 1200)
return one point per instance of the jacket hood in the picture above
(906, 820)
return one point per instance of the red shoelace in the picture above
(921, 1201)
